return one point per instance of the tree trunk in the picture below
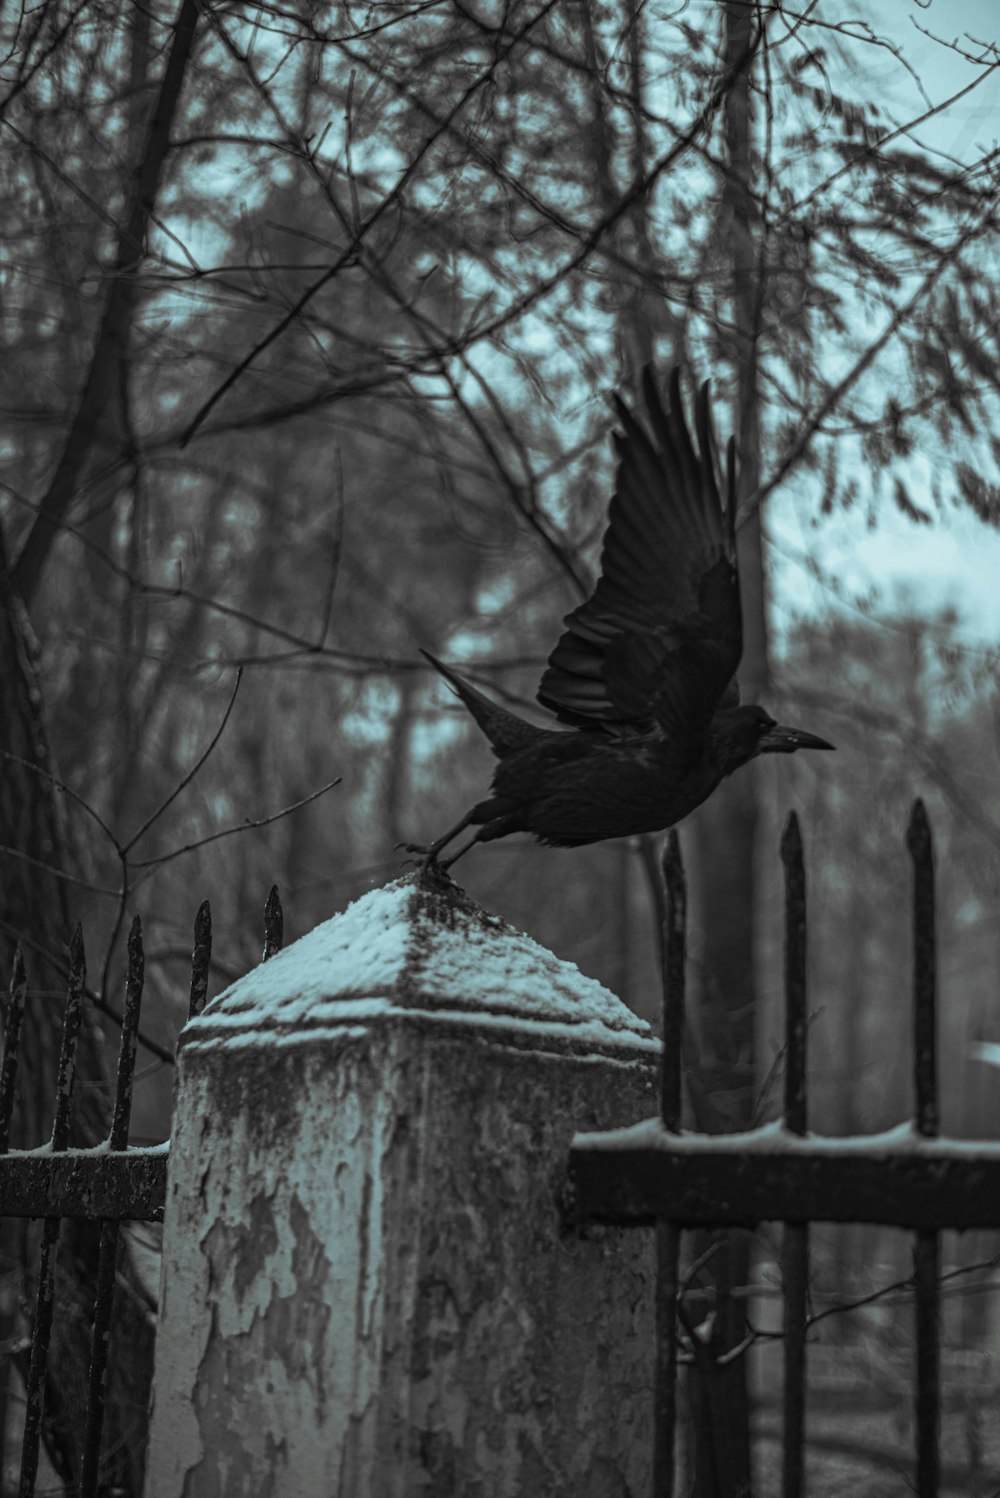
(34, 905)
(725, 836)
(34, 908)
(101, 382)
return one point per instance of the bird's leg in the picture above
(431, 851)
(456, 856)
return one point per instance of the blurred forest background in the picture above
(310, 316)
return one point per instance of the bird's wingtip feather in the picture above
(651, 389)
(703, 424)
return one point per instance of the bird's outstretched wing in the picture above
(659, 640)
(505, 731)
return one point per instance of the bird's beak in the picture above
(780, 740)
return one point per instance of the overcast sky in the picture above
(956, 560)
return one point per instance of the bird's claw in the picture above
(425, 857)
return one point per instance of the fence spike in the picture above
(795, 1235)
(118, 1139)
(668, 1234)
(107, 1259)
(918, 830)
(791, 838)
(41, 1331)
(67, 1049)
(12, 1045)
(201, 959)
(274, 924)
(920, 844)
(674, 958)
(927, 1252)
(795, 1110)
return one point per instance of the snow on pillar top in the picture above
(419, 948)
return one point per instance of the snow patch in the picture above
(775, 1139)
(418, 945)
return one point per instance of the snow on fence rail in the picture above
(908, 1177)
(109, 1182)
(374, 1276)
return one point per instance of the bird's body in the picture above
(575, 788)
(585, 785)
(645, 669)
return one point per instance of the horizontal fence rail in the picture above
(656, 1174)
(635, 1177)
(130, 1184)
(110, 1182)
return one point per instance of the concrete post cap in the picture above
(419, 949)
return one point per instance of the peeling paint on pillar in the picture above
(366, 1293)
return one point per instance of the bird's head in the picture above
(744, 732)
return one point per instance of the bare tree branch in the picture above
(112, 338)
(344, 258)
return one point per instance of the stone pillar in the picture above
(366, 1292)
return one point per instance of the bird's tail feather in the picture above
(505, 731)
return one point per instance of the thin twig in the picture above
(60, 785)
(50, 868)
(152, 864)
(351, 249)
(187, 779)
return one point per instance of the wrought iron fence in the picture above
(111, 1182)
(657, 1174)
(654, 1174)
